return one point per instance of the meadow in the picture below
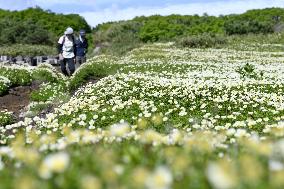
(159, 117)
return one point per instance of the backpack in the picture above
(73, 39)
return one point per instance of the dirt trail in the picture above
(17, 99)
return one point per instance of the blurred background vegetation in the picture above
(263, 26)
(32, 27)
(35, 26)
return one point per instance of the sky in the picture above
(100, 11)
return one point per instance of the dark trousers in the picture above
(71, 66)
(81, 59)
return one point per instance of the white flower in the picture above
(219, 177)
(182, 113)
(92, 127)
(161, 178)
(278, 148)
(231, 132)
(148, 114)
(1, 164)
(118, 169)
(92, 122)
(82, 123)
(241, 133)
(119, 129)
(54, 163)
(276, 165)
(83, 117)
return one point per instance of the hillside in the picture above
(36, 26)
(119, 37)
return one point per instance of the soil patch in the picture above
(17, 99)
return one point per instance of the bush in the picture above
(118, 38)
(24, 32)
(37, 26)
(156, 30)
(169, 28)
(27, 50)
(246, 27)
(249, 71)
(46, 75)
(6, 118)
(92, 70)
(48, 92)
(4, 85)
(202, 41)
(18, 77)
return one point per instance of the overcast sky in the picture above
(99, 11)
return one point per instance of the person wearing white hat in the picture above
(67, 51)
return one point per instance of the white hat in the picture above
(69, 30)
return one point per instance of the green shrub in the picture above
(6, 118)
(48, 92)
(202, 41)
(4, 85)
(249, 71)
(37, 26)
(122, 44)
(46, 74)
(92, 70)
(118, 38)
(27, 50)
(161, 29)
(18, 77)
(247, 26)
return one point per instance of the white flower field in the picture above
(159, 118)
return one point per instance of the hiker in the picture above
(81, 47)
(67, 51)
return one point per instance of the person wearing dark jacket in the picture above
(81, 47)
(67, 51)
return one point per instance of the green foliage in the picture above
(246, 27)
(48, 92)
(249, 70)
(6, 118)
(91, 45)
(5, 83)
(37, 26)
(254, 21)
(37, 108)
(92, 71)
(26, 32)
(202, 41)
(125, 35)
(118, 38)
(45, 75)
(27, 50)
(18, 77)
(3, 88)
(122, 45)
(160, 29)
